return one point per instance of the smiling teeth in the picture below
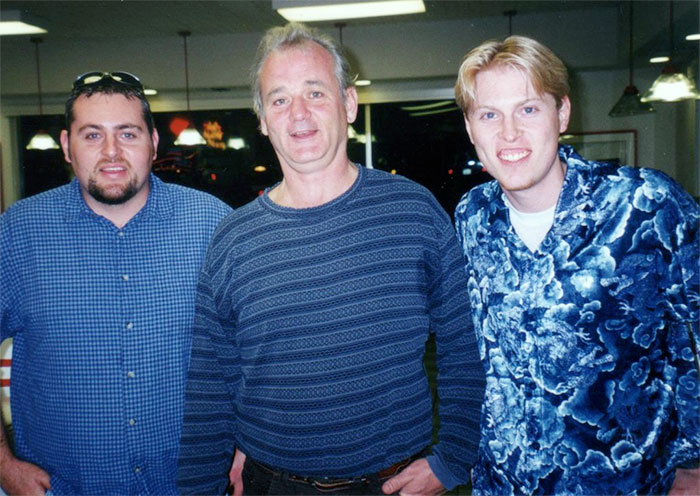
(514, 157)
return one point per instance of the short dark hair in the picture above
(108, 86)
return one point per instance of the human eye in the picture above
(529, 110)
(91, 136)
(129, 135)
(487, 115)
(277, 102)
(315, 94)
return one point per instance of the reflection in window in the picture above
(424, 141)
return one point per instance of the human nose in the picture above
(299, 110)
(110, 147)
(510, 131)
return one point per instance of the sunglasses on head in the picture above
(119, 77)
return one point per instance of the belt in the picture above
(332, 484)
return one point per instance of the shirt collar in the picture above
(160, 203)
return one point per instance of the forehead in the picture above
(104, 109)
(503, 83)
(306, 62)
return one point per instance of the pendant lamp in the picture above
(671, 86)
(41, 140)
(630, 102)
(189, 136)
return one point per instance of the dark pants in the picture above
(260, 480)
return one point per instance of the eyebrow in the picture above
(492, 106)
(308, 82)
(119, 127)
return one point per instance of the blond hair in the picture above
(545, 70)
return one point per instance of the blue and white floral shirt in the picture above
(592, 383)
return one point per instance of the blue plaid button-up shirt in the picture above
(101, 319)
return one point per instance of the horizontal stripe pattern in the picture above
(310, 332)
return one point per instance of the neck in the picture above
(313, 190)
(119, 215)
(541, 197)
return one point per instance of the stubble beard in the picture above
(115, 194)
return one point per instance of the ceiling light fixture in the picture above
(15, 22)
(693, 37)
(327, 10)
(629, 103)
(659, 60)
(671, 86)
(189, 136)
(41, 140)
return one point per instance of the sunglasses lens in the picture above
(126, 78)
(119, 77)
(91, 79)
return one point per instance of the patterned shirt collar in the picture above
(160, 203)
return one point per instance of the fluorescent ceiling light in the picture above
(659, 60)
(13, 22)
(150, 91)
(428, 106)
(693, 37)
(363, 82)
(325, 10)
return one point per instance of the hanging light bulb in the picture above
(671, 86)
(41, 140)
(630, 103)
(189, 136)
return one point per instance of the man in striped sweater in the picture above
(314, 306)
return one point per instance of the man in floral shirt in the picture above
(583, 280)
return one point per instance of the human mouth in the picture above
(307, 133)
(113, 170)
(513, 155)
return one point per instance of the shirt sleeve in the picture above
(684, 337)
(461, 378)
(207, 441)
(10, 319)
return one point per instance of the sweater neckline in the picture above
(321, 210)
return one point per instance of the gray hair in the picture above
(296, 34)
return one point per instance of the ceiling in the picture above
(79, 27)
(132, 18)
(116, 19)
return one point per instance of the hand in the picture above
(236, 472)
(418, 478)
(22, 478)
(687, 483)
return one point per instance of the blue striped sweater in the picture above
(309, 338)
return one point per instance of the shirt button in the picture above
(120, 234)
(125, 277)
(129, 326)
(132, 422)
(137, 470)
(130, 375)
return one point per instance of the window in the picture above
(424, 141)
